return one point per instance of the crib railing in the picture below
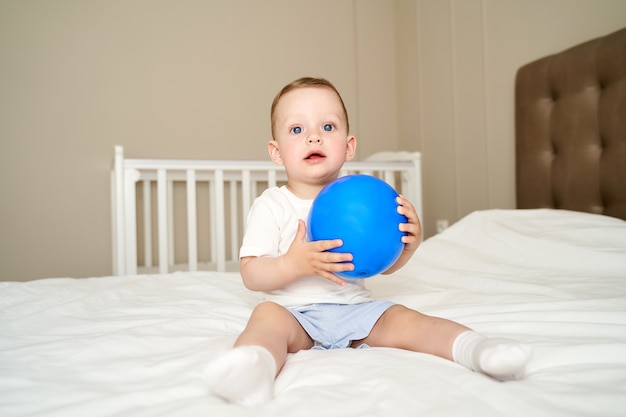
(172, 215)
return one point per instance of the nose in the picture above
(313, 139)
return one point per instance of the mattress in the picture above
(137, 345)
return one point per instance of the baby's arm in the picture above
(266, 273)
(413, 238)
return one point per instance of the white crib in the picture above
(190, 214)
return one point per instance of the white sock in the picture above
(502, 359)
(243, 375)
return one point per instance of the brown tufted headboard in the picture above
(570, 127)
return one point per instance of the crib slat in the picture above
(390, 178)
(170, 222)
(192, 238)
(271, 178)
(117, 213)
(212, 223)
(246, 195)
(233, 222)
(220, 220)
(147, 224)
(130, 222)
(162, 220)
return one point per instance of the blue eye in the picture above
(328, 127)
(296, 130)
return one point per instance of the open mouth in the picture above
(315, 156)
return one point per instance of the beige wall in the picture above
(195, 78)
(461, 88)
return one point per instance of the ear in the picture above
(350, 148)
(272, 148)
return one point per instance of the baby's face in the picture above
(311, 133)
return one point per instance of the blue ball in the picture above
(361, 210)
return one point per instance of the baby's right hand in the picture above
(311, 258)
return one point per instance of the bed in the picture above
(551, 273)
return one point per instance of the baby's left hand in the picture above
(413, 227)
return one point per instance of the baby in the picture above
(308, 306)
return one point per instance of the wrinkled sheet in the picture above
(135, 346)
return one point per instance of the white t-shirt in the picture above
(272, 226)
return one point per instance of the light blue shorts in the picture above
(336, 326)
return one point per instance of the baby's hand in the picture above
(311, 258)
(412, 227)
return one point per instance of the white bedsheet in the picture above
(135, 346)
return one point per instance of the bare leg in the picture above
(404, 328)
(274, 327)
(246, 373)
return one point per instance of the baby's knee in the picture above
(270, 309)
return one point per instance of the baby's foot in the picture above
(243, 375)
(502, 359)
